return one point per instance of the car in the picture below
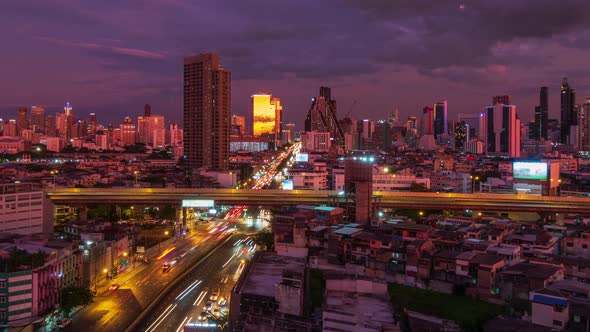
(114, 287)
(214, 295)
(222, 301)
(208, 306)
(166, 268)
(64, 322)
(216, 312)
(203, 316)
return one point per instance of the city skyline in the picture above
(116, 71)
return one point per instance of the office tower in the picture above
(22, 121)
(461, 133)
(38, 119)
(542, 115)
(441, 122)
(368, 129)
(568, 102)
(584, 124)
(502, 99)
(207, 100)
(175, 134)
(9, 128)
(427, 139)
(61, 126)
(472, 122)
(147, 110)
(321, 116)
(127, 132)
(266, 116)
(427, 121)
(289, 133)
(358, 184)
(93, 125)
(158, 138)
(50, 126)
(143, 130)
(238, 125)
(502, 130)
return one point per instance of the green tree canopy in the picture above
(72, 297)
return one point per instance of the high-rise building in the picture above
(22, 121)
(38, 119)
(289, 133)
(93, 125)
(427, 121)
(542, 115)
(238, 125)
(441, 121)
(473, 122)
(502, 99)
(147, 110)
(502, 130)
(175, 134)
(207, 101)
(143, 130)
(127, 132)
(461, 135)
(584, 123)
(263, 114)
(9, 128)
(321, 116)
(50, 126)
(358, 184)
(568, 118)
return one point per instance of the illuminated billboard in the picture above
(302, 157)
(288, 185)
(198, 203)
(528, 170)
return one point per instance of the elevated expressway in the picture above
(78, 197)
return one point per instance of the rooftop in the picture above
(267, 271)
(531, 270)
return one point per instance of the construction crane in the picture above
(350, 109)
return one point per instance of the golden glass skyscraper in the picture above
(266, 116)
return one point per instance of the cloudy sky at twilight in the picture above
(112, 56)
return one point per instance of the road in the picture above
(186, 301)
(115, 310)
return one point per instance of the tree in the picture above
(72, 297)
(20, 258)
(265, 240)
(419, 187)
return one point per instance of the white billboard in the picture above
(198, 203)
(529, 170)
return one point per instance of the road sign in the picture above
(140, 249)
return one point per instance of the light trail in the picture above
(229, 260)
(160, 318)
(188, 290)
(200, 298)
(181, 324)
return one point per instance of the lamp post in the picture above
(54, 173)
(473, 180)
(136, 173)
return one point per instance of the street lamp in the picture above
(54, 173)
(473, 180)
(136, 173)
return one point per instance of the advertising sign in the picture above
(302, 157)
(198, 203)
(288, 185)
(528, 170)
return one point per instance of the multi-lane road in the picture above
(114, 310)
(201, 294)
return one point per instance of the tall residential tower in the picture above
(207, 101)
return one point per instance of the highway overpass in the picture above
(399, 200)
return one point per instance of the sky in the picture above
(111, 56)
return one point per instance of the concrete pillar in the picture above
(83, 213)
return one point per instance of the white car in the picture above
(214, 294)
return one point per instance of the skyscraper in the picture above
(461, 135)
(38, 119)
(238, 125)
(127, 130)
(322, 116)
(22, 121)
(502, 130)
(568, 102)
(93, 125)
(542, 115)
(441, 121)
(584, 123)
(502, 99)
(207, 100)
(147, 110)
